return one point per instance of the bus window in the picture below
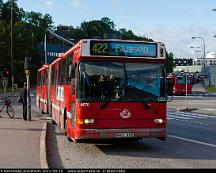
(39, 78)
(59, 73)
(63, 64)
(53, 75)
(68, 69)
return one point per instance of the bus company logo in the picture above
(125, 114)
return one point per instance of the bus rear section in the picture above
(119, 100)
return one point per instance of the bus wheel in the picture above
(50, 110)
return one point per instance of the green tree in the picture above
(28, 32)
(96, 28)
(1, 7)
(129, 35)
(18, 13)
(170, 64)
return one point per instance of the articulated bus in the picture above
(106, 89)
(179, 83)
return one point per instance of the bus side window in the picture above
(59, 72)
(63, 65)
(56, 76)
(53, 75)
(39, 78)
(68, 72)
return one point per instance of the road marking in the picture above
(178, 113)
(188, 115)
(178, 117)
(191, 140)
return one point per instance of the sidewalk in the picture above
(197, 106)
(198, 87)
(20, 144)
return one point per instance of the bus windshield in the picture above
(181, 80)
(118, 81)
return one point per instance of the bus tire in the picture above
(50, 109)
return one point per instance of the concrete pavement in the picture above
(22, 143)
(205, 107)
(198, 87)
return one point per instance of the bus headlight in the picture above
(85, 121)
(88, 121)
(158, 121)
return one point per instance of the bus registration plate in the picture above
(125, 135)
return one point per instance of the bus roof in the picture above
(43, 67)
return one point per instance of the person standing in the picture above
(24, 100)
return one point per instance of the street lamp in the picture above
(12, 63)
(204, 54)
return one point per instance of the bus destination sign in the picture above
(130, 49)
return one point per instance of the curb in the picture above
(43, 154)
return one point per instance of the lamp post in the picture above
(204, 53)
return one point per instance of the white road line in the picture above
(194, 114)
(178, 117)
(191, 116)
(191, 140)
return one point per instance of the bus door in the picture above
(62, 88)
(56, 95)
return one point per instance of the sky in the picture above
(173, 22)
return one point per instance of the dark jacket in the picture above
(24, 95)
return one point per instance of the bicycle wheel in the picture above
(10, 111)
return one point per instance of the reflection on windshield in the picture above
(116, 81)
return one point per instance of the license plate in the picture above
(125, 135)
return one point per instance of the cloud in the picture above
(49, 4)
(116, 3)
(75, 3)
(178, 41)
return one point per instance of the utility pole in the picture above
(27, 72)
(12, 63)
(45, 49)
(186, 89)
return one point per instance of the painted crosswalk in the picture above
(187, 116)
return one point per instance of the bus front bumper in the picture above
(120, 133)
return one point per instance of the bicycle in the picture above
(9, 109)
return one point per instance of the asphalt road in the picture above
(191, 143)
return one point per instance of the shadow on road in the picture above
(53, 157)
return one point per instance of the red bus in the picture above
(179, 83)
(107, 89)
